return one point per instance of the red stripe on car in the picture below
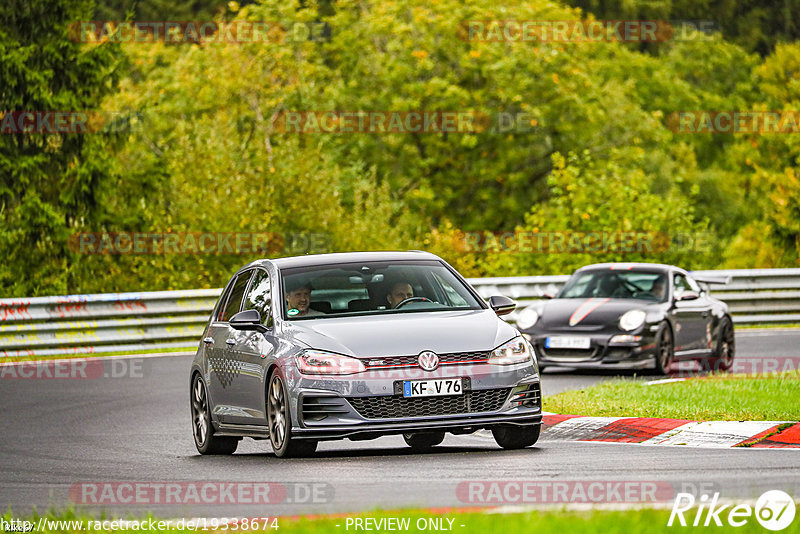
(585, 309)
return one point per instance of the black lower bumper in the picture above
(367, 430)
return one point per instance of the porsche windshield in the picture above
(372, 288)
(616, 284)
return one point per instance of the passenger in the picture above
(398, 292)
(298, 300)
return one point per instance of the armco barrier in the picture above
(169, 320)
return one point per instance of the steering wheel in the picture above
(412, 299)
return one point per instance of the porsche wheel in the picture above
(725, 348)
(665, 349)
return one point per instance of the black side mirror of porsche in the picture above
(248, 320)
(502, 305)
(548, 296)
(687, 295)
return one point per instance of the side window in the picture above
(681, 284)
(693, 285)
(235, 300)
(260, 296)
(226, 294)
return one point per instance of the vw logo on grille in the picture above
(428, 360)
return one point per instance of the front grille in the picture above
(411, 361)
(386, 407)
(567, 354)
(318, 408)
(529, 396)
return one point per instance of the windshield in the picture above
(372, 288)
(616, 284)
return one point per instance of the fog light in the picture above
(626, 338)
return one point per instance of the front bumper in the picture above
(458, 425)
(371, 404)
(602, 353)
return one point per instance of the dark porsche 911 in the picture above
(632, 316)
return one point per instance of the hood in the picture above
(403, 334)
(587, 312)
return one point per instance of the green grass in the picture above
(544, 522)
(773, 397)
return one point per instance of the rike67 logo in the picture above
(774, 510)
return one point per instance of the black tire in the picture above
(725, 349)
(665, 349)
(423, 441)
(516, 437)
(202, 429)
(280, 422)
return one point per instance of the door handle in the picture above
(230, 342)
(209, 340)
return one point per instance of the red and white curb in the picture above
(673, 432)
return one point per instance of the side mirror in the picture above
(548, 296)
(502, 305)
(687, 295)
(248, 320)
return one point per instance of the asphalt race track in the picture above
(59, 434)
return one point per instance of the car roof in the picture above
(311, 260)
(639, 266)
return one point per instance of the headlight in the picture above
(515, 351)
(319, 362)
(632, 319)
(527, 318)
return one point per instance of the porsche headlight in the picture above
(632, 320)
(527, 318)
(320, 362)
(515, 351)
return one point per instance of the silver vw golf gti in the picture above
(360, 345)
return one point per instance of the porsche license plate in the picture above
(568, 342)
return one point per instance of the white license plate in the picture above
(567, 342)
(432, 388)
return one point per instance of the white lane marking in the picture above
(711, 434)
(664, 381)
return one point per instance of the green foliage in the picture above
(756, 25)
(50, 182)
(592, 150)
(603, 199)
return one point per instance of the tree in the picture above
(50, 182)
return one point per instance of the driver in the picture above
(659, 288)
(398, 292)
(298, 300)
